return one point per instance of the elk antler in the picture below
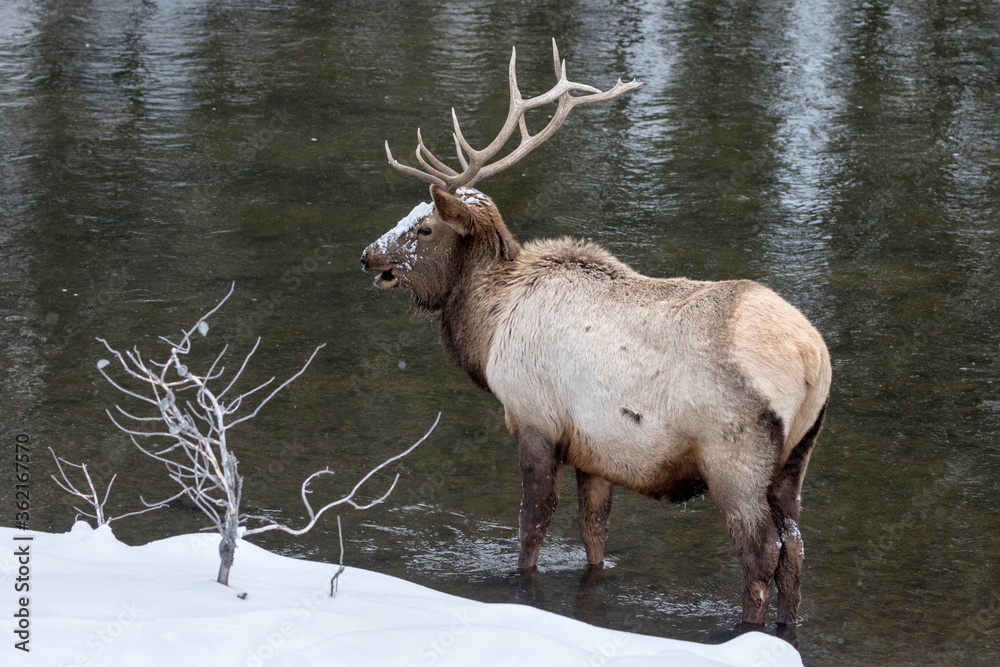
(474, 169)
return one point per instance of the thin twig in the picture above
(334, 582)
(280, 387)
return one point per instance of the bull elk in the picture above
(665, 386)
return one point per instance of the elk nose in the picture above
(364, 258)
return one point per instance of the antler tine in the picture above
(477, 159)
(462, 143)
(515, 118)
(406, 169)
(443, 173)
(561, 71)
(458, 151)
(515, 92)
(440, 169)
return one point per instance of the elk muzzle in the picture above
(372, 262)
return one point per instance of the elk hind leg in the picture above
(784, 497)
(594, 494)
(757, 546)
(739, 487)
(747, 518)
(541, 475)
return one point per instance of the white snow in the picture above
(419, 212)
(406, 256)
(471, 196)
(792, 531)
(95, 601)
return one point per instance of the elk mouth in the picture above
(386, 280)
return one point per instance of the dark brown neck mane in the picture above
(468, 317)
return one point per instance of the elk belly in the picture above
(614, 407)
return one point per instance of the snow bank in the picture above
(96, 601)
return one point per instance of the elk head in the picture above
(429, 250)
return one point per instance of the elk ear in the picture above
(452, 210)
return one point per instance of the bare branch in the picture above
(340, 570)
(280, 387)
(130, 372)
(347, 499)
(242, 367)
(211, 369)
(205, 317)
(239, 399)
(163, 502)
(93, 497)
(138, 419)
(86, 514)
(145, 434)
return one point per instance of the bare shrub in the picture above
(187, 430)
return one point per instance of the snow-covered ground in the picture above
(95, 601)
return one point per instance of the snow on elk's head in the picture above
(428, 250)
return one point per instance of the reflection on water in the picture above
(846, 154)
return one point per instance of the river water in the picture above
(846, 154)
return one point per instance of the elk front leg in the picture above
(594, 494)
(541, 473)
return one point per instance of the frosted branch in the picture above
(189, 435)
(347, 499)
(93, 497)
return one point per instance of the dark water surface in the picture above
(847, 154)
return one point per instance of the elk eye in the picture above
(424, 231)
